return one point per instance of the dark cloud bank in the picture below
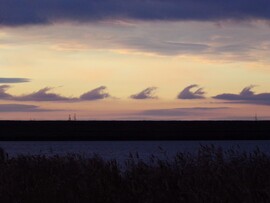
(23, 12)
(45, 95)
(246, 96)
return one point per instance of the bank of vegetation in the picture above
(211, 175)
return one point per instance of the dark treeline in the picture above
(134, 130)
(211, 175)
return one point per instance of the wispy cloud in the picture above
(23, 12)
(14, 80)
(246, 96)
(20, 108)
(95, 94)
(186, 93)
(183, 113)
(147, 93)
(201, 39)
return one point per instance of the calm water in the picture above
(120, 150)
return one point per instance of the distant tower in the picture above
(69, 117)
(74, 117)
(256, 117)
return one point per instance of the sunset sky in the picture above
(134, 59)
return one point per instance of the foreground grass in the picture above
(209, 176)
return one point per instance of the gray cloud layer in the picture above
(220, 41)
(179, 112)
(45, 95)
(246, 96)
(186, 93)
(147, 93)
(23, 12)
(20, 108)
(14, 80)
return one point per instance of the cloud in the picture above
(182, 38)
(14, 80)
(246, 96)
(41, 95)
(25, 12)
(148, 93)
(182, 113)
(187, 94)
(3, 94)
(45, 95)
(20, 108)
(150, 45)
(95, 94)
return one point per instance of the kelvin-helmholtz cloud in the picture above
(41, 95)
(95, 94)
(23, 12)
(147, 93)
(186, 93)
(45, 95)
(246, 96)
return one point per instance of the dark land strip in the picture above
(134, 130)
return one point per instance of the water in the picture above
(120, 150)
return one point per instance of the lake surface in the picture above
(120, 150)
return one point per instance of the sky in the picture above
(134, 59)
